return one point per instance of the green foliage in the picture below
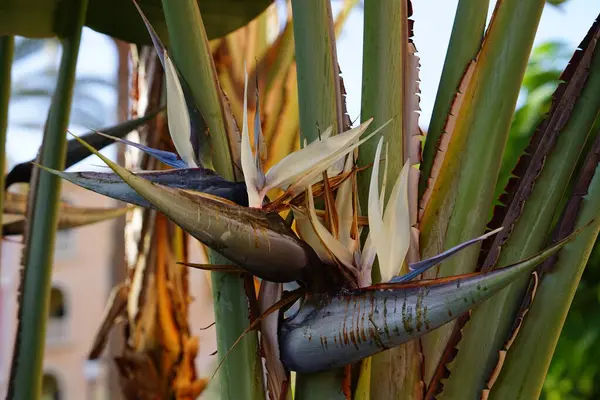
(541, 79)
(575, 373)
(344, 318)
(28, 354)
(118, 18)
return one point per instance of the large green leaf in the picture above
(461, 195)
(524, 370)
(318, 76)
(541, 179)
(465, 42)
(390, 70)
(119, 18)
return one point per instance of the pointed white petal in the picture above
(376, 227)
(307, 232)
(397, 225)
(178, 117)
(260, 146)
(343, 204)
(384, 180)
(303, 181)
(252, 172)
(367, 257)
(324, 135)
(317, 156)
(336, 248)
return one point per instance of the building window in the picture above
(50, 387)
(57, 304)
(57, 328)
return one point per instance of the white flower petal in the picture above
(307, 232)
(303, 181)
(177, 112)
(376, 227)
(397, 225)
(332, 244)
(344, 206)
(313, 159)
(367, 257)
(253, 175)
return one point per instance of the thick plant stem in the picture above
(26, 371)
(240, 376)
(314, 59)
(7, 45)
(394, 373)
(463, 191)
(384, 53)
(192, 57)
(318, 111)
(465, 41)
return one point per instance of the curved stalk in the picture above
(76, 152)
(26, 371)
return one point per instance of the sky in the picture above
(433, 24)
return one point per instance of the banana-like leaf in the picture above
(194, 179)
(15, 208)
(119, 18)
(471, 149)
(331, 331)
(532, 200)
(256, 240)
(76, 152)
(521, 373)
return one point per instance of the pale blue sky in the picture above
(433, 23)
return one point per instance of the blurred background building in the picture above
(80, 284)
(85, 269)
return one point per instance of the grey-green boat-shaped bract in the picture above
(196, 179)
(331, 331)
(255, 239)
